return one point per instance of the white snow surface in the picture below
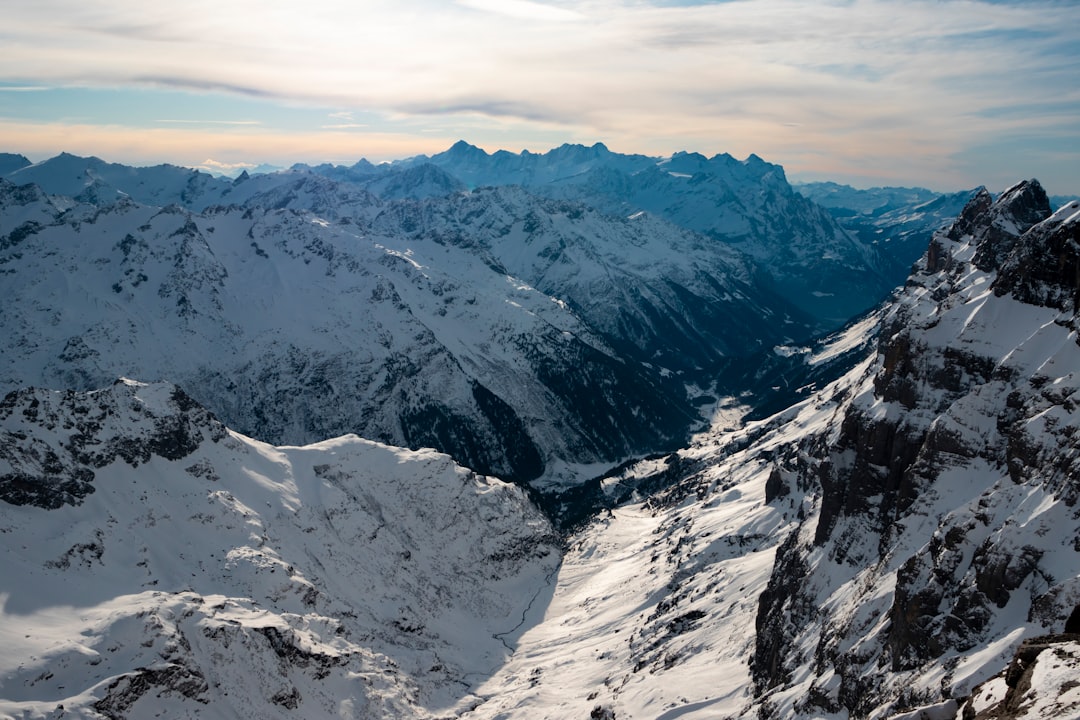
(345, 579)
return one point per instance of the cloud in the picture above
(211, 165)
(902, 85)
(523, 10)
(189, 146)
(210, 122)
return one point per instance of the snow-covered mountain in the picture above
(655, 293)
(155, 563)
(810, 260)
(297, 328)
(521, 334)
(902, 544)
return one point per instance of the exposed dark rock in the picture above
(1016, 210)
(1072, 625)
(94, 429)
(776, 486)
(936, 405)
(1046, 269)
(126, 690)
(782, 610)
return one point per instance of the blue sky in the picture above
(942, 94)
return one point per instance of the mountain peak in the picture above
(1044, 268)
(10, 162)
(462, 148)
(1025, 202)
(997, 225)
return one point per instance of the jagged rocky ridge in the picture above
(154, 563)
(945, 526)
(805, 255)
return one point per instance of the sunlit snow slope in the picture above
(155, 564)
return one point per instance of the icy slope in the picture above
(156, 563)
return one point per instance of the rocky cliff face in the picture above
(880, 550)
(946, 518)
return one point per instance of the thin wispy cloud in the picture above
(523, 10)
(907, 88)
(210, 122)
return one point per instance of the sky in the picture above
(942, 94)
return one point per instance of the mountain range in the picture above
(525, 334)
(737, 502)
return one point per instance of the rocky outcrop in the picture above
(1040, 682)
(131, 423)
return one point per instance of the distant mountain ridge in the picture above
(810, 260)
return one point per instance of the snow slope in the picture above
(155, 563)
